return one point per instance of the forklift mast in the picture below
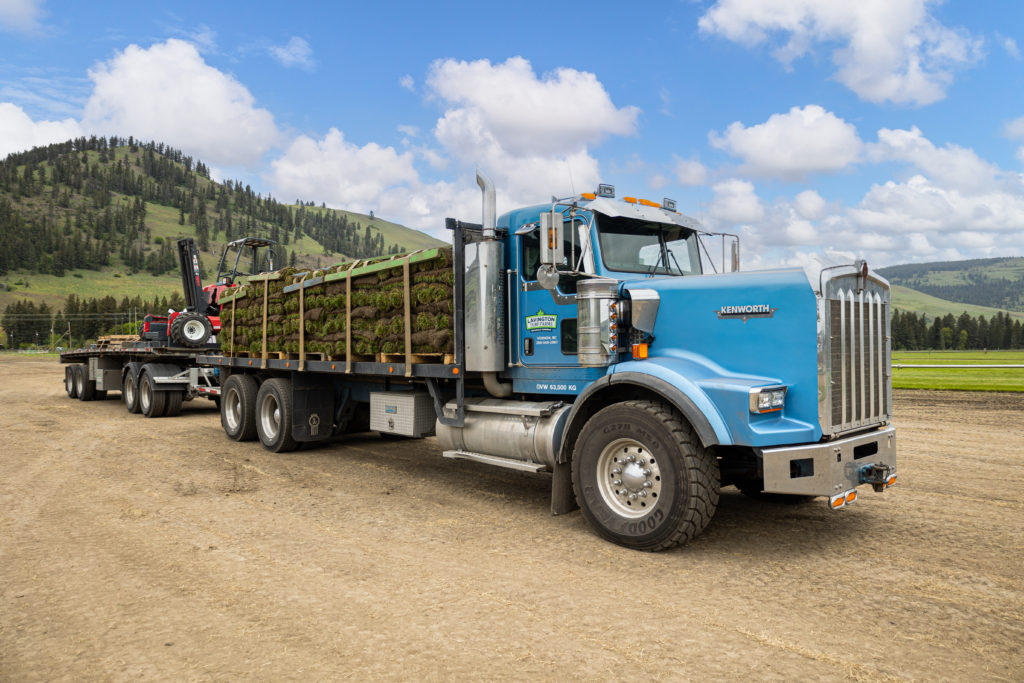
(196, 300)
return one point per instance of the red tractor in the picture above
(200, 320)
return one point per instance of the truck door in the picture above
(545, 328)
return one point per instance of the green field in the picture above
(962, 379)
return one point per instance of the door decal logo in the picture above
(541, 321)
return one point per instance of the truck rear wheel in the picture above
(191, 329)
(274, 415)
(84, 386)
(238, 407)
(642, 478)
(130, 392)
(69, 382)
(151, 402)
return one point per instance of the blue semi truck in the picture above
(590, 344)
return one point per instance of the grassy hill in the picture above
(906, 299)
(100, 218)
(996, 283)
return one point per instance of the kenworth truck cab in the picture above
(674, 381)
(590, 343)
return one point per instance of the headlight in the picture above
(767, 399)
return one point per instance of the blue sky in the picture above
(820, 130)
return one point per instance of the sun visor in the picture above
(618, 209)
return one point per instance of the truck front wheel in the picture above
(642, 478)
(274, 415)
(238, 407)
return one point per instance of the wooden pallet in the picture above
(418, 358)
(116, 341)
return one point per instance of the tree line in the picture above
(914, 332)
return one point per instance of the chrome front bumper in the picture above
(830, 467)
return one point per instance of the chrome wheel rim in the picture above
(129, 391)
(144, 395)
(270, 416)
(629, 478)
(232, 410)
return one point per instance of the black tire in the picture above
(753, 488)
(191, 329)
(70, 385)
(172, 407)
(84, 386)
(152, 403)
(642, 478)
(130, 392)
(238, 407)
(274, 415)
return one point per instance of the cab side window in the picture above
(531, 259)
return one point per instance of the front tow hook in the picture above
(879, 476)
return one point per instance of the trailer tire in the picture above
(152, 403)
(274, 415)
(238, 407)
(191, 329)
(642, 478)
(130, 392)
(84, 386)
(70, 385)
(172, 407)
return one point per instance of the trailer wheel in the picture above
(152, 403)
(642, 478)
(274, 415)
(70, 385)
(191, 329)
(130, 392)
(172, 407)
(238, 407)
(84, 386)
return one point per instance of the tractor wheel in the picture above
(191, 329)
(274, 415)
(70, 385)
(173, 404)
(130, 392)
(238, 407)
(84, 386)
(642, 478)
(152, 403)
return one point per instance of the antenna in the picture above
(572, 185)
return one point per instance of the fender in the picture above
(162, 370)
(133, 368)
(698, 410)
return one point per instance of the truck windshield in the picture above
(632, 246)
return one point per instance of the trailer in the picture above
(154, 377)
(588, 344)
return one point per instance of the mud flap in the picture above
(312, 407)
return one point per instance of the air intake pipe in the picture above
(489, 210)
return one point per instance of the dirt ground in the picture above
(142, 549)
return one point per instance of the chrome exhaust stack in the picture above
(484, 302)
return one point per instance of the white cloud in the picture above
(21, 15)
(168, 93)
(409, 131)
(559, 113)
(1010, 45)
(804, 140)
(735, 202)
(884, 50)
(950, 166)
(1014, 129)
(407, 82)
(295, 53)
(690, 171)
(18, 132)
(810, 205)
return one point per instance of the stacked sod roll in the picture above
(267, 313)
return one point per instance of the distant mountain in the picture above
(996, 283)
(108, 210)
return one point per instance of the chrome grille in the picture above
(855, 360)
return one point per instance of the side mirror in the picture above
(552, 251)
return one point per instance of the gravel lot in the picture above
(157, 549)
